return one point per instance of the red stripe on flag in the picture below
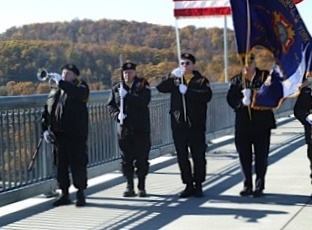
(217, 11)
(195, 0)
(297, 1)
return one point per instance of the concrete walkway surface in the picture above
(286, 205)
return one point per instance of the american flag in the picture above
(196, 8)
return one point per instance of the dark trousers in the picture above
(195, 141)
(246, 141)
(135, 148)
(71, 153)
(309, 155)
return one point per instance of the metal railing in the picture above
(20, 128)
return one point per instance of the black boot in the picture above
(246, 191)
(129, 192)
(141, 187)
(259, 188)
(81, 200)
(188, 191)
(63, 200)
(199, 190)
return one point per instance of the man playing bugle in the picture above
(65, 125)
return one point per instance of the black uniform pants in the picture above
(309, 155)
(135, 148)
(246, 141)
(195, 140)
(71, 153)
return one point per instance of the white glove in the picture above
(122, 92)
(57, 77)
(121, 116)
(309, 119)
(178, 72)
(246, 92)
(246, 99)
(48, 137)
(182, 88)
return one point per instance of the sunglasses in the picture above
(185, 63)
(249, 61)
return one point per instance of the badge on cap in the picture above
(129, 66)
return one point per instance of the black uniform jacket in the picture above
(135, 105)
(257, 119)
(197, 96)
(302, 109)
(66, 109)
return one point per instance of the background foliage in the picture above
(95, 47)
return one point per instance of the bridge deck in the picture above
(287, 204)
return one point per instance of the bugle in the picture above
(44, 75)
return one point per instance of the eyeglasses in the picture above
(185, 63)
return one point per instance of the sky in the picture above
(160, 12)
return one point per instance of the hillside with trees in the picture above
(95, 47)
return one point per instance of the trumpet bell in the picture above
(42, 74)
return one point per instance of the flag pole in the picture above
(247, 49)
(121, 109)
(226, 73)
(179, 60)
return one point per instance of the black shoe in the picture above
(63, 200)
(198, 191)
(187, 192)
(246, 192)
(81, 200)
(258, 192)
(129, 193)
(142, 193)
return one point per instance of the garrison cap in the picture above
(72, 68)
(128, 66)
(189, 57)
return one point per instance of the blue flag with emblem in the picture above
(275, 25)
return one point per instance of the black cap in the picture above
(72, 68)
(189, 57)
(128, 66)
